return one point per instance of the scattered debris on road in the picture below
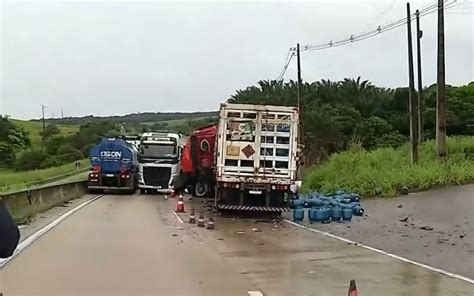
(404, 218)
(426, 227)
(240, 232)
(400, 206)
(442, 240)
(174, 234)
(462, 235)
(256, 230)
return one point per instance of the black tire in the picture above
(201, 189)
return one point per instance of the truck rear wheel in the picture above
(201, 189)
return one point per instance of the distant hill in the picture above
(133, 118)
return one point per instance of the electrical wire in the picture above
(368, 34)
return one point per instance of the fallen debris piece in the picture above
(404, 219)
(240, 232)
(442, 240)
(256, 230)
(174, 234)
(220, 238)
(400, 206)
(462, 235)
(426, 227)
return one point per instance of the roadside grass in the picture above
(14, 181)
(34, 128)
(385, 171)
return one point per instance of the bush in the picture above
(387, 170)
(68, 153)
(30, 160)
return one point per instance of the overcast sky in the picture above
(109, 57)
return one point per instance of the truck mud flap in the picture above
(252, 208)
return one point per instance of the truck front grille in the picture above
(155, 176)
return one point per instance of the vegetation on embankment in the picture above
(385, 171)
(13, 181)
(34, 130)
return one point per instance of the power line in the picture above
(289, 56)
(367, 34)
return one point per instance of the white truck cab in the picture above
(159, 156)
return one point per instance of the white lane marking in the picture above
(406, 260)
(255, 293)
(179, 218)
(29, 240)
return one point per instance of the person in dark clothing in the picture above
(9, 233)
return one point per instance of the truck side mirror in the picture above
(180, 152)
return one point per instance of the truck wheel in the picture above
(201, 189)
(142, 191)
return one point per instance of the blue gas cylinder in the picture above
(336, 213)
(312, 214)
(327, 214)
(298, 214)
(355, 197)
(347, 214)
(298, 203)
(318, 214)
(358, 210)
(326, 201)
(315, 202)
(346, 206)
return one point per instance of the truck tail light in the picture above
(280, 187)
(94, 175)
(125, 176)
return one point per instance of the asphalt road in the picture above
(135, 245)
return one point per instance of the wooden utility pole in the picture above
(412, 101)
(421, 124)
(441, 148)
(300, 110)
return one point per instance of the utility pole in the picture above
(421, 123)
(62, 113)
(412, 101)
(42, 112)
(300, 108)
(441, 149)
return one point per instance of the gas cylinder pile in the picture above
(340, 206)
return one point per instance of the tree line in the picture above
(337, 114)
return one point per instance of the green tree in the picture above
(50, 131)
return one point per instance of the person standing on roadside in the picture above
(9, 233)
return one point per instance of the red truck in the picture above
(198, 161)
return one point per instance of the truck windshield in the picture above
(158, 151)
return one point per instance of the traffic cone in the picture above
(210, 223)
(172, 193)
(352, 289)
(180, 205)
(192, 217)
(200, 221)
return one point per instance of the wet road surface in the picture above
(135, 245)
(449, 211)
(119, 245)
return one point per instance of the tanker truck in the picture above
(114, 165)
